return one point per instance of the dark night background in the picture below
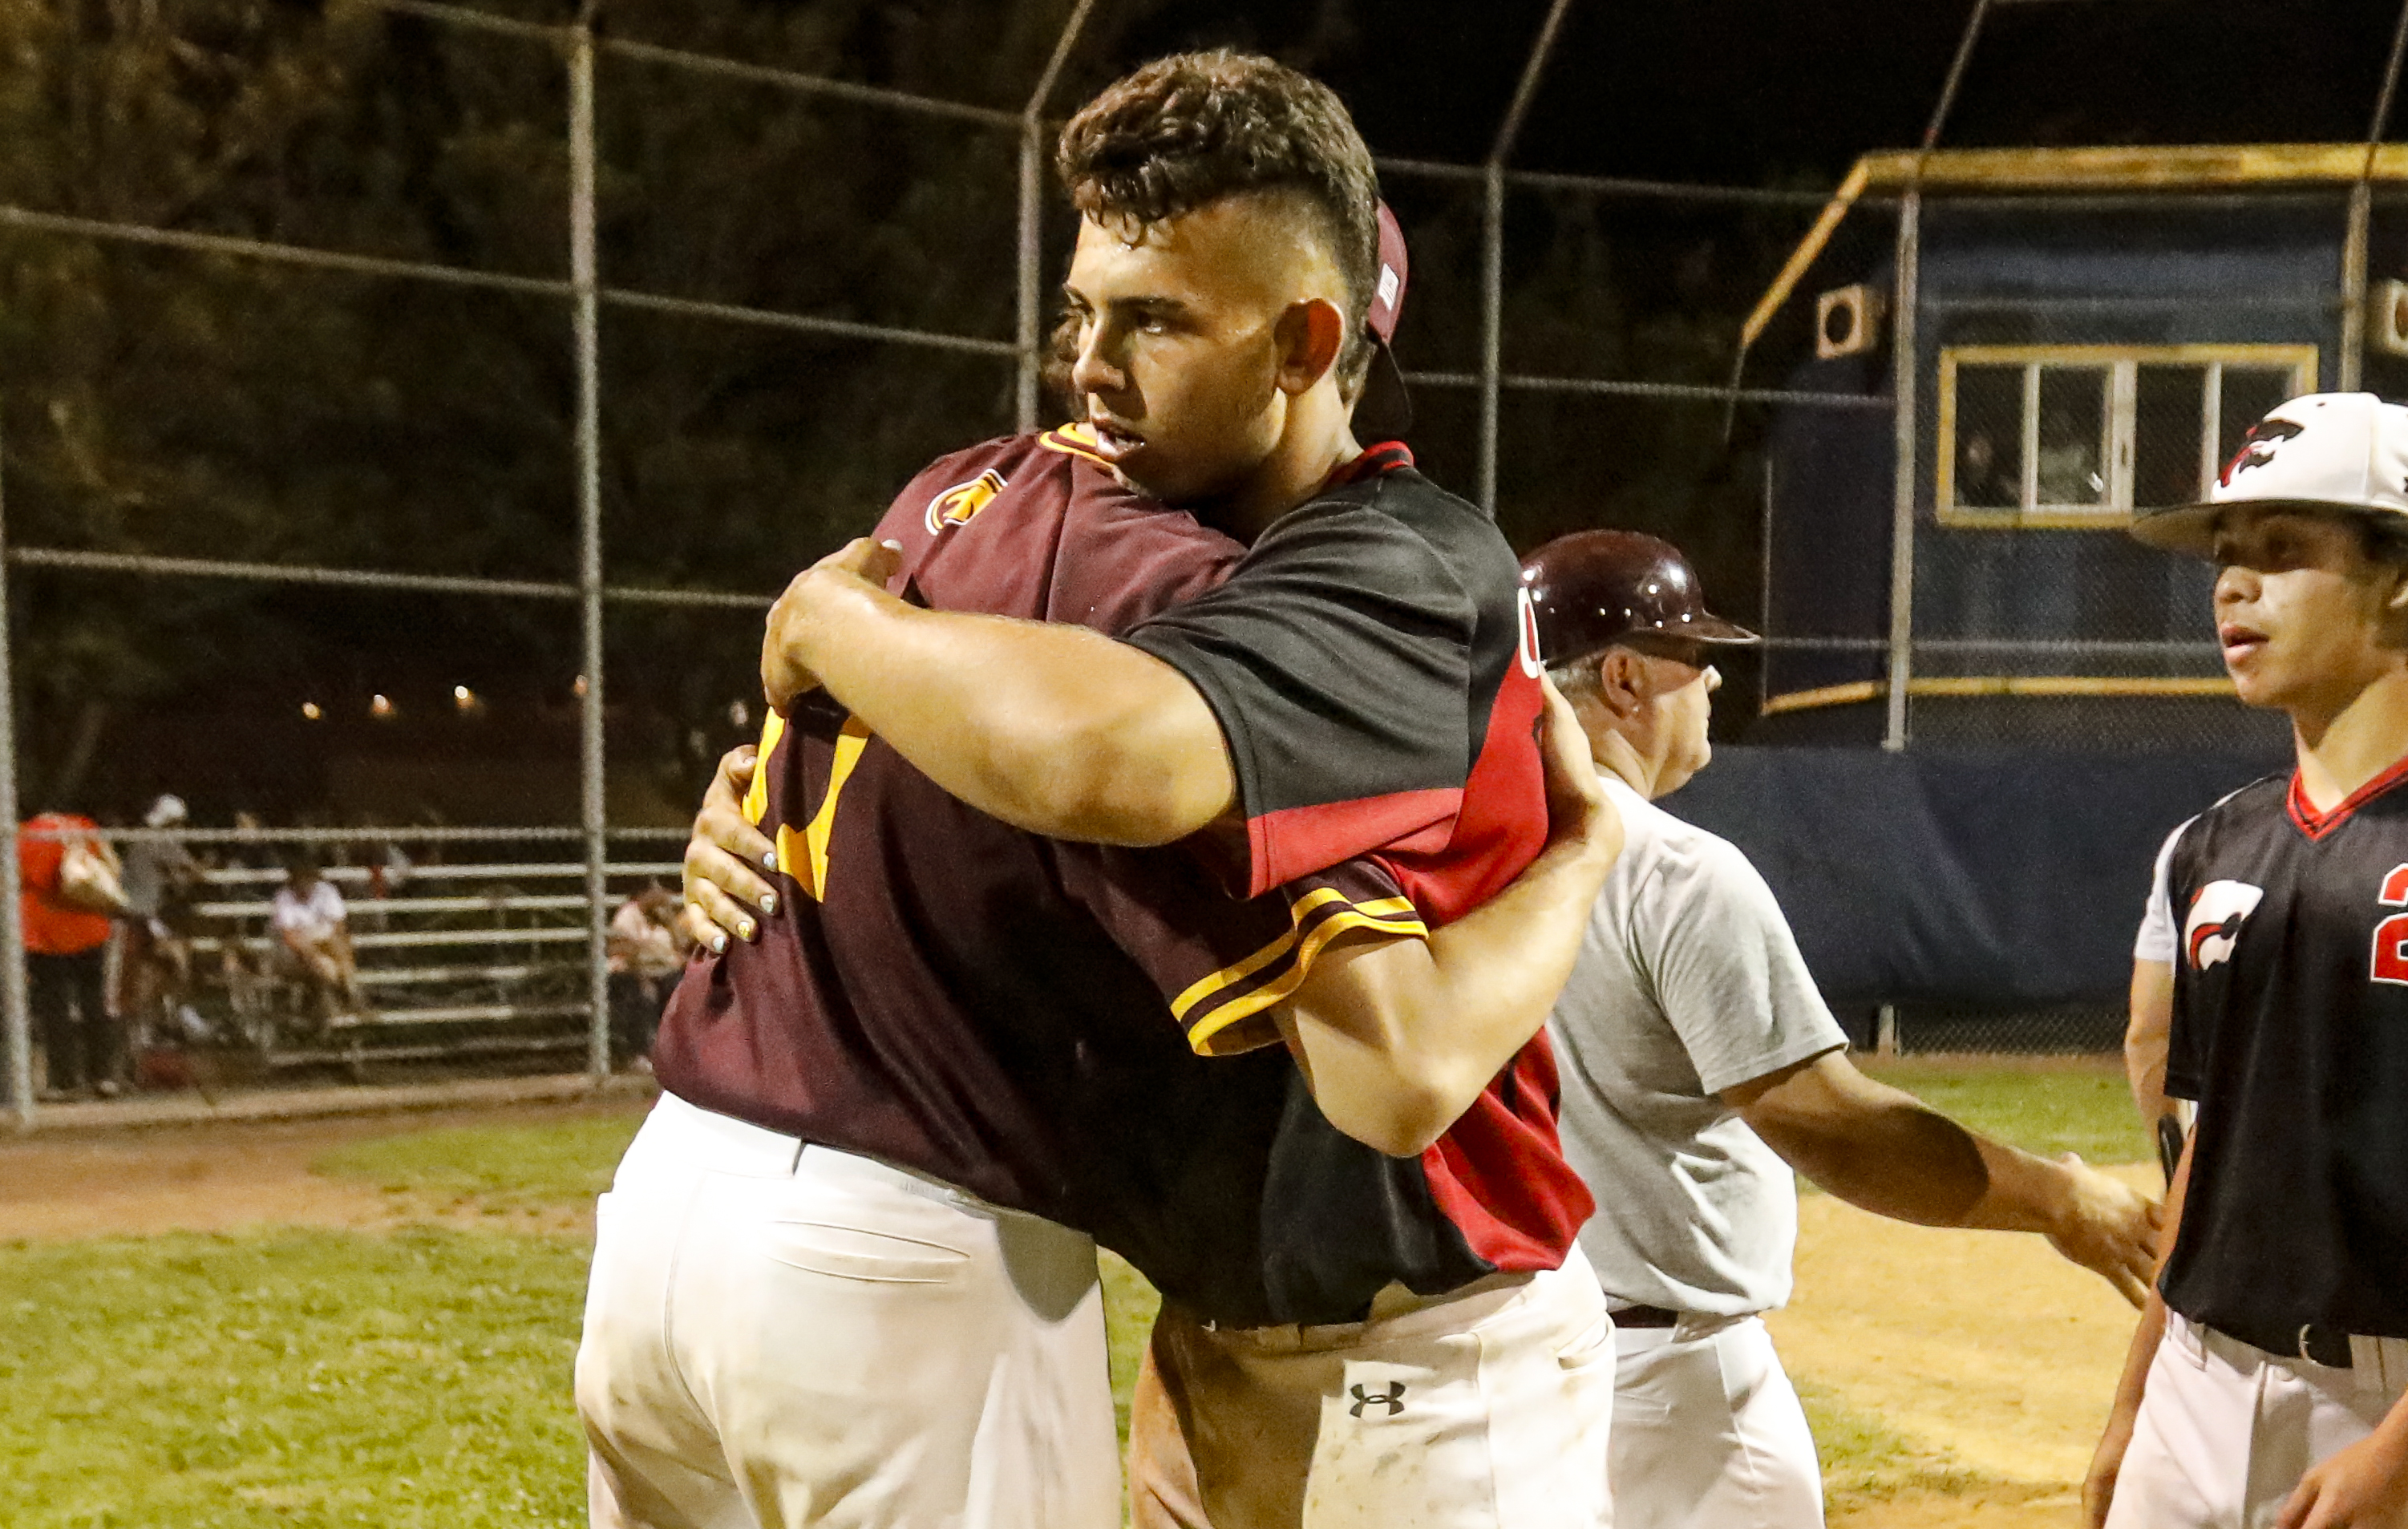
(163, 402)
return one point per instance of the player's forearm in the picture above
(1884, 1151)
(2024, 1192)
(2391, 1437)
(2151, 1330)
(2145, 1037)
(1051, 728)
(1398, 1039)
(2147, 1335)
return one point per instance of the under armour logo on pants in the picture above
(1394, 1399)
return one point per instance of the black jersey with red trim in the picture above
(1367, 661)
(2290, 1030)
(946, 993)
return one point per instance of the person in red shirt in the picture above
(62, 955)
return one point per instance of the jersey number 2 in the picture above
(2390, 962)
(804, 855)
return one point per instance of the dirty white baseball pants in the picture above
(2225, 1431)
(1708, 1433)
(1487, 1410)
(779, 1336)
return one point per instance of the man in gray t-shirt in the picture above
(155, 957)
(1701, 1066)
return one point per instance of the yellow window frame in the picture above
(2122, 364)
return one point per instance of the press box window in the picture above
(2083, 435)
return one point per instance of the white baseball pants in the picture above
(1708, 1433)
(1486, 1410)
(2225, 1431)
(779, 1336)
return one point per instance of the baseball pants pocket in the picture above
(2225, 1431)
(1709, 1433)
(1500, 1425)
(1489, 1411)
(840, 1346)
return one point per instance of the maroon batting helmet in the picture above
(1592, 589)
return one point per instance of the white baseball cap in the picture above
(2345, 451)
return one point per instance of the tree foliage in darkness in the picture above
(161, 401)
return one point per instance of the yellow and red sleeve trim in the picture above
(1215, 1010)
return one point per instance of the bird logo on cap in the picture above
(2258, 446)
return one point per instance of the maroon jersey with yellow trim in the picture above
(953, 995)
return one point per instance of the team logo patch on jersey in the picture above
(957, 505)
(2216, 915)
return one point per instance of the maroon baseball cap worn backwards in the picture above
(1386, 412)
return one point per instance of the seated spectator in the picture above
(65, 930)
(313, 941)
(645, 952)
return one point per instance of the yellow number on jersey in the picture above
(804, 856)
(757, 797)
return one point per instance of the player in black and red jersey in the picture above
(953, 1026)
(2266, 1384)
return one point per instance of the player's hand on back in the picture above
(1577, 806)
(724, 889)
(2108, 1227)
(860, 564)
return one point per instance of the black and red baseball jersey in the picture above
(2290, 1030)
(1031, 1020)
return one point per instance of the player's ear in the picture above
(1621, 681)
(2394, 599)
(2395, 602)
(1309, 334)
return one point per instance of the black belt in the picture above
(2310, 1341)
(1648, 1316)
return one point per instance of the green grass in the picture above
(293, 1379)
(421, 1378)
(2042, 1109)
(1865, 1461)
(1129, 1306)
(562, 1162)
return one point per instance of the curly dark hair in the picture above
(1188, 130)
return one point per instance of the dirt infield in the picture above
(1983, 1346)
(1992, 1358)
(223, 1178)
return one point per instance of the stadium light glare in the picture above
(309, 709)
(380, 707)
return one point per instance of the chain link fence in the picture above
(403, 434)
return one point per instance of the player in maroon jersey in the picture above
(945, 996)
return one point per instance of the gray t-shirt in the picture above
(2156, 940)
(151, 867)
(1688, 982)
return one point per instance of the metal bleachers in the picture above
(456, 961)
